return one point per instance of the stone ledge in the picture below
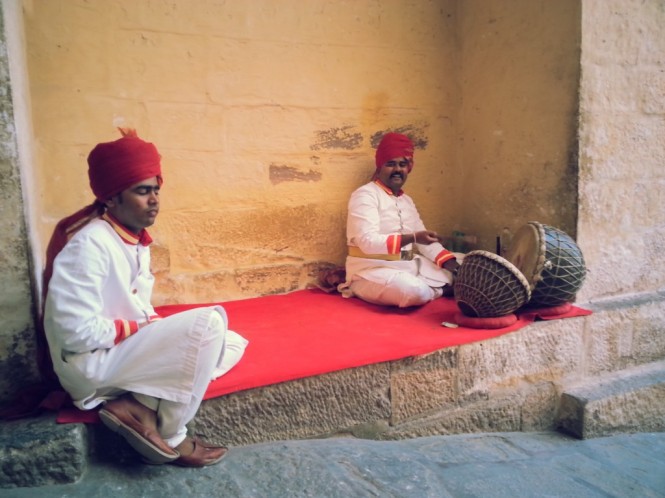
(632, 400)
(39, 452)
(505, 384)
(508, 383)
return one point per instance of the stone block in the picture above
(543, 351)
(299, 409)
(632, 400)
(625, 332)
(609, 343)
(492, 415)
(419, 385)
(39, 452)
(539, 406)
(648, 332)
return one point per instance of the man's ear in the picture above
(110, 202)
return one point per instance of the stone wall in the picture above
(17, 344)
(622, 151)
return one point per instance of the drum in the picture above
(550, 260)
(488, 285)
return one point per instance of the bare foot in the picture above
(127, 404)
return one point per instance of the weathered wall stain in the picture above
(415, 132)
(282, 173)
(338, 138)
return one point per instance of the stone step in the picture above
(39, 452)
(627, 401)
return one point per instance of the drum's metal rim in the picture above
(511, 267)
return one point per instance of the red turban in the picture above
(115, 166)
(394, 145)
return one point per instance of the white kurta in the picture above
(373, 216)
(97, 279)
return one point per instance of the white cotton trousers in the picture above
(400, 289)
(172, 416)
(167, 366)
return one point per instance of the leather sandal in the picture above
(146, 441)
(202, 455)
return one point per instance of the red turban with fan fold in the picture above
(115, 166)
(394, 145)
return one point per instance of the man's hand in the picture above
(452, 266)
(426, 237)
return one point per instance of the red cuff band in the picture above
(442, 257)
(123, 329)
(394, 243)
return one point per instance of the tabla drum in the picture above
(488, 285)
(550, 260)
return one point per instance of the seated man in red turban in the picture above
(384, 229)
(107, 345)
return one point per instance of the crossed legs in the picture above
(402, 289)
(157, 427)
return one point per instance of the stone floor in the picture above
(477, 465)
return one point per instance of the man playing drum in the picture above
(384, 229)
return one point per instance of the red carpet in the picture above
(309, 332)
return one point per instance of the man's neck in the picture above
(125, 234)
(387, 189)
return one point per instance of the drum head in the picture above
(550, 260)
(527, 252)
(488, 285)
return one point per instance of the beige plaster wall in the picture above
(519, 78)
(622, 149)
(267, 113)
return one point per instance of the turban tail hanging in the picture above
(112, 168)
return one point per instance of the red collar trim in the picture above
(128, 237)
(386, 189)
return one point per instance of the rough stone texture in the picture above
(508, 383)
(39, 452)
(498, 465)
(423, 384)
(629, 401)
(17, 346)
(494, 415)
(299, 409)
(626, 334)
(542, 351)
(539, 406)
(621, 151)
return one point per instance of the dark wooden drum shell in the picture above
(488, 285)
(550, 260)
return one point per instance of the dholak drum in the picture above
(488, 285)
(550, 260)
